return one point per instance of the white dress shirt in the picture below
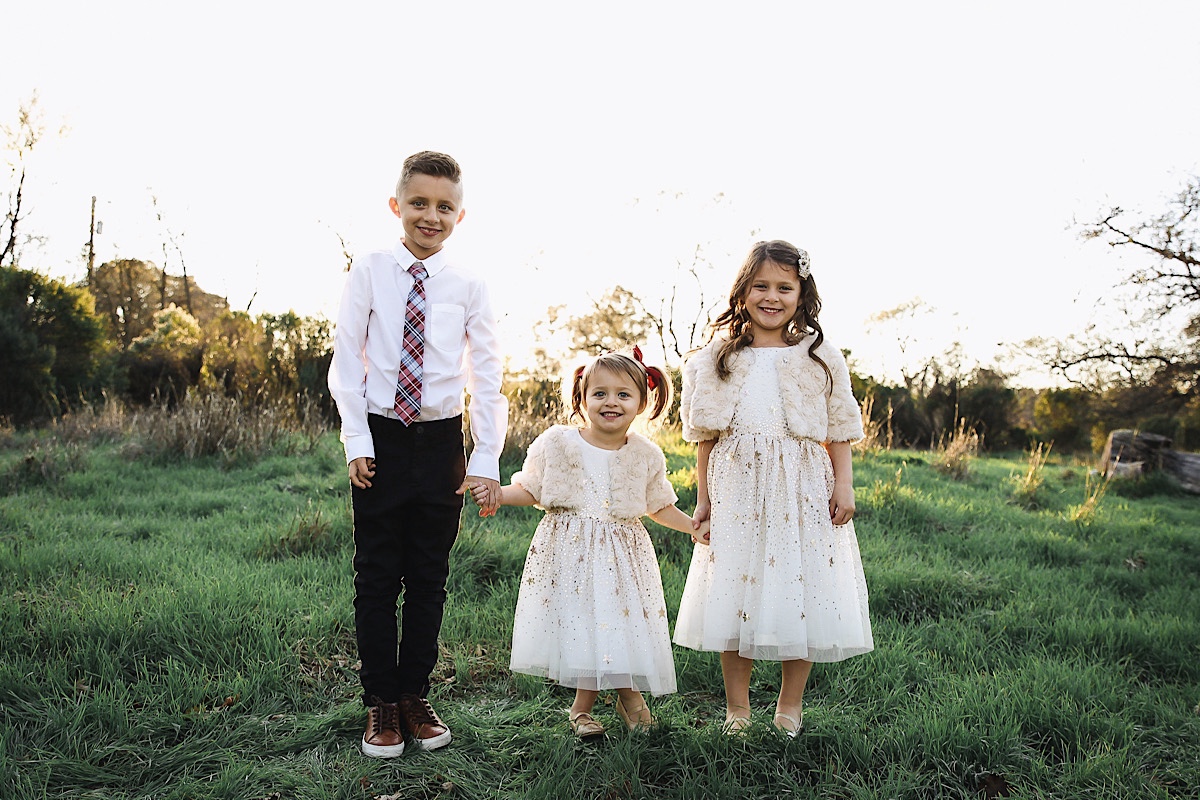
(462, 352)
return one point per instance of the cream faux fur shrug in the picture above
(812, 412)
(553, 474)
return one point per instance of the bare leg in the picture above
(791, 690)
(580, 716)
(632, 699)
(736, 671)
(585, 700)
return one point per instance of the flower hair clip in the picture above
(803, 265)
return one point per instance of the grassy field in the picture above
(185, 630)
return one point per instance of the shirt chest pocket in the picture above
(446, 326)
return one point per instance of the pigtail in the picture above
(576, 399)
(659, 385)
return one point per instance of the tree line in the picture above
(136, 332)
(130, 329)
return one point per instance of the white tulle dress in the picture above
(590, 612)
(779, 581)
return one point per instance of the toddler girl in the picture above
(590, 613)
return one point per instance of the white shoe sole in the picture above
(433, 743)
(379, 751)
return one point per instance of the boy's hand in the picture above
(484, 491)
(841, 505)
(700, 535)
(362, 469)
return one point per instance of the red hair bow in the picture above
(651, 379)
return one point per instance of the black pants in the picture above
(404, 527)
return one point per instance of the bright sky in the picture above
(938, 151)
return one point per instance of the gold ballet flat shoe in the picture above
(632, 717)
(584, 726)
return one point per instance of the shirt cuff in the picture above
(484, 465)
(360, 446)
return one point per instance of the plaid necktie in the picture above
(408, 384)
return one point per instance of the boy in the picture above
(412, 333)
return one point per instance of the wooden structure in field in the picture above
(1130, 453)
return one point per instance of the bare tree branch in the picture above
(20, 140)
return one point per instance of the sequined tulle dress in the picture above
(779, 580)
(590, 612)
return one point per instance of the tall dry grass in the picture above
(878, 435)
(230, 428)
(954, 453)
(1028, 484)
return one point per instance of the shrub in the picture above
(45, 463)
(51, 344)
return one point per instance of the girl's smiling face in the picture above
(611, 400)
(771, 301)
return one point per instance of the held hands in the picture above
(841, 505)
(700, 522)
(485, 493)
(361, 470)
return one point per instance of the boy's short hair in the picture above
(428, 162)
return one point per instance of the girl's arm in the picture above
(703, 506)
(512, 495)
(516, 495)
(841, 505)
(673, 518)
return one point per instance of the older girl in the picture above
(769, 403)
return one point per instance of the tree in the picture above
(685, 333)
(1064, 417)
(20, 142)
(987, 404)
(1160, 344)
(165, 361)
(129, 292)
(299, 355)
(235, 354)
(617, 320)
(1143, 364)
(52, 345)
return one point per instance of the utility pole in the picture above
(91, 242)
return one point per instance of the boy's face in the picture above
(428, 207)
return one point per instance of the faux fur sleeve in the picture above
(530, 475)
(639, 482)
(699, 376)
(659, 491)
(845, 418)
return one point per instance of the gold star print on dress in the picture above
(767, 557)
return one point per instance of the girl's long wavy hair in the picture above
(734, 321)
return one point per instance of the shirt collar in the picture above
(433, 265)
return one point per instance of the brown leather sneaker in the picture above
(422, 724)
(383, 738)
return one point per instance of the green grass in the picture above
(185, 630)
